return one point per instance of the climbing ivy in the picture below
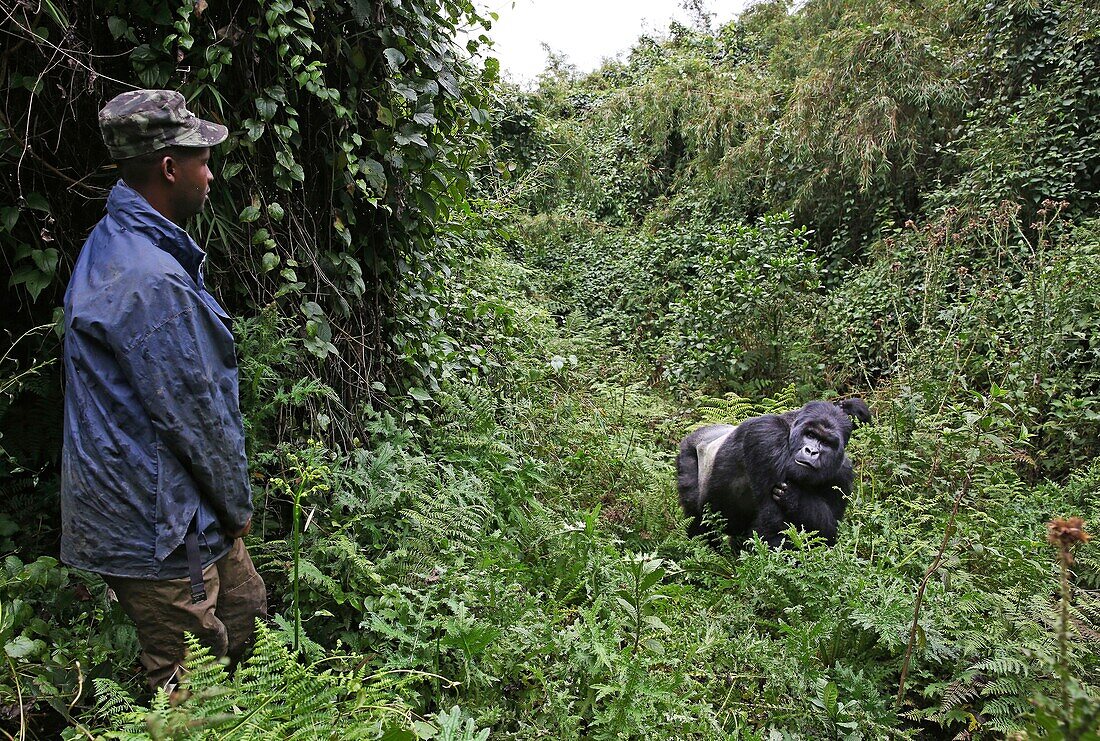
(353, 126)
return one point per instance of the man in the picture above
(155, 493)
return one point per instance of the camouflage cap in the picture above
(143, 121)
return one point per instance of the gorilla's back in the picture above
(707, 444)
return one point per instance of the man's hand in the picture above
(234, 534)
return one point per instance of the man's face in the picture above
(192, 185)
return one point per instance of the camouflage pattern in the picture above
(143, 121)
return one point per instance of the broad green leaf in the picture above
(38, 202)
(829, 695)
(117, 26)
(23, 647)
(46, 260)
(655, 622)
(395, 58)
(9, 216)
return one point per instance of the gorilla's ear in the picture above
(857, 408)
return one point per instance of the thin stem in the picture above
(296, 547)
(1063, 638)
(932, 569)
(22, 337)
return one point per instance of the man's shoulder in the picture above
(127, 259)
(123, 282)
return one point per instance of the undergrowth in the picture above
(523, 558)
(716, 228)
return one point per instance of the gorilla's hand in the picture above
(784, 497)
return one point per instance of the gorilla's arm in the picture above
(764, 444)
(818, 507)
(856, 407)
(763, 451)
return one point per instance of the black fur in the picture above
(770, 472)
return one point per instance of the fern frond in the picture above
(733, 408)
(1011, 685)
(782, 401)
(958, 693)
(449, 519)
(729, 409)
(204, 669)
(312, 575)
(116, 708)
(1001, 665)
(1004, 712)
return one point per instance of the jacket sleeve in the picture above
(183, 369)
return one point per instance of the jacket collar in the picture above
(130, 209)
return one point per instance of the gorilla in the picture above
(770, 472)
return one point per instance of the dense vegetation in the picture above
(476, 319)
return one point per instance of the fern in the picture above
(733, 408)
(204, 670)
(729, 409)
(271, 697)
(115, 708)
(451, 518)
(312, 576)
(1000, 666)
(780, 402)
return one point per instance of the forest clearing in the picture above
(474, 320)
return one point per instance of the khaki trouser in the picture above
(162, 611)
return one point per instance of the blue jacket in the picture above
(153, 431)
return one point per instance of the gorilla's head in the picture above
(818, 435)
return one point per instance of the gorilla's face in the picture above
(817, 440)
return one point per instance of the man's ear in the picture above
(168, 167)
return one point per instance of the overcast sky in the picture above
(586, 31)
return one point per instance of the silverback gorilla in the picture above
(770, 472)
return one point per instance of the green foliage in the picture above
(733, 408)
(529, 559)
(717, 304)
(834, 112)
(745, 315)
(332, 229)
(985, 303)
(59, 634)
(308, 479)
(495, 544)
(637, 185)
(271, 696)
(523, 557)
(1028, 135)
(273, 403)
(851, 115)
(637, 601)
